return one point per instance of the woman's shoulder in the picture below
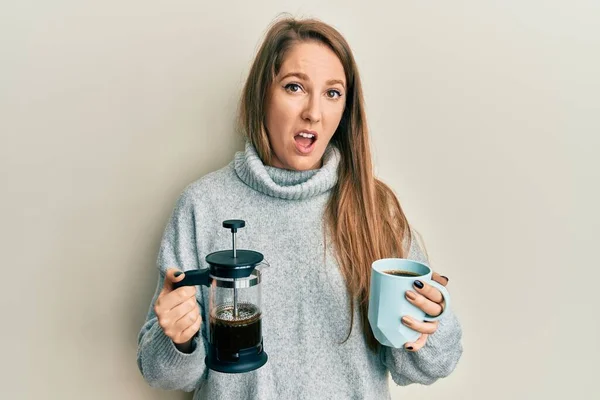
(210, 186)
(212, 180)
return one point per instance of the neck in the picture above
(287, 184)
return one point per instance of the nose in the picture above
(312, 111)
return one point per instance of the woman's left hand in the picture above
(431, 301)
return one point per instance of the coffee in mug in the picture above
(399, 272)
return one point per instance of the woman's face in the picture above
(305, 105)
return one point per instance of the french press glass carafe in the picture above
(235, 332)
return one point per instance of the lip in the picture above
(306, 150)
(307, 131)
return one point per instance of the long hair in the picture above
(363, 216)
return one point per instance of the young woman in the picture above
(305, 187)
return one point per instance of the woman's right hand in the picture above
(177, 311)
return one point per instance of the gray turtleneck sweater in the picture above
(304, 300)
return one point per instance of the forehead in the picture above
(314, 59)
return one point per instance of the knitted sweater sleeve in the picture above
(162, 365)
(440, 355)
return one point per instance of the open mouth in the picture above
(305, 142)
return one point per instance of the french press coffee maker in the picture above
(235, 333)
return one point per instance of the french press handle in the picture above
(194, 277)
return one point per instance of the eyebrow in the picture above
(305, 77)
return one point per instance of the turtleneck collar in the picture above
(283, 183)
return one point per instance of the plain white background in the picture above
(484, 118)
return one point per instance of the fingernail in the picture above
(419, 284)
(406, 320)
(409, 348)
(178, 273)
(411, 295)
(446, 278)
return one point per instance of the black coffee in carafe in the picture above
(230, 334)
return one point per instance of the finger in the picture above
(168, 319)
(173, 329)
(189, 332)
(182, 309)
(428, 291)
(170, 278)
(442, 280)
(187, 320)
(169, 300)
(420, 326)
(427, 306)
(418, 344)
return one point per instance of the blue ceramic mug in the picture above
(387, 304)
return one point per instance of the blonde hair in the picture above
(363, 216)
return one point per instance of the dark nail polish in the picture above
(409, 348)
(178, 273)
(419, 284)
(446, 278)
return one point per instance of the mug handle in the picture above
(446, 296)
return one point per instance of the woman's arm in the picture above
(161, 363)
(440, 355)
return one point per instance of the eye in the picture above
(334, 94)
(293, 87)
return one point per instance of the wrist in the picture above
(187, 347)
